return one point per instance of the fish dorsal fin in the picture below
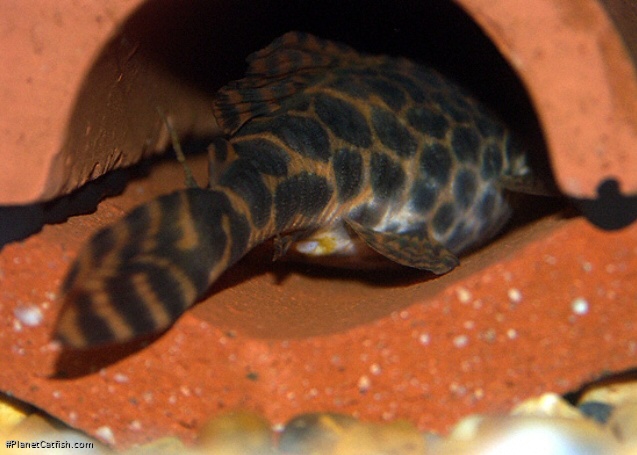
(285, 67)
(297, 51)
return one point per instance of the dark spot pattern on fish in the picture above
(387, 176)
(464, 188)
(344, 120)
(393, 134)
(244, 178)
(348, 173)
(264, 155)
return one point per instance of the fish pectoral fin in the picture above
(413, 249)
(282, 244)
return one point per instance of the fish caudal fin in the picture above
(139, 275)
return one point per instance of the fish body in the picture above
(331, 152)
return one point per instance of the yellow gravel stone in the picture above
(623, 423)
(163, 446)
(547, 405)
(237, 433)
(400, 438)
(12, 412)
(612, 394)
(337, 434)
(314, 433)
(35, 425)
(529, 435)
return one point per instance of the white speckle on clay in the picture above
(580, 306)
(512, 334)
(364, 383)
(148, 397)
(514, 294)
(120, 378)
(17, 326)
(457, 389)
(424, 339)
(463, 294)
(375, 369)
(29, 315)
(461, 341)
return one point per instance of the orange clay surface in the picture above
(545, 308)
(82, 103)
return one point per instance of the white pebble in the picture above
(105, 434)
(579, 306)
(29, 315)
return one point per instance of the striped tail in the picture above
(139, 275)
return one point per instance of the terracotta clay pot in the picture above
(549, 305)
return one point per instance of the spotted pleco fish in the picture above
(329, 151)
